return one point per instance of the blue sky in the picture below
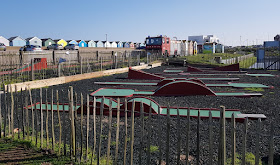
(128, 20)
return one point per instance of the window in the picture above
(163, 40)
(152, 41)
(35, 42)
(167, 40)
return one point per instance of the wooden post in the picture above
(87, 126)
(5, 110)
(76, 125)
(32, 70)
(167, 135)
(59, 123)
(126, 131)
(72, 120)
(132, 133)
(100, 133)
(82, 115)
(53, 135)
(12, 111)
(47, 119)
(149, 136)
(8, 110)
(1, 116)
(222, 151)
(210, 138)
(159, 137)
(142, 131)
(37, 123)
(64, 128)
(271, 145)
(258, 142)
(244, 142)
(178, 136)
(94, 128)
(42, 119)
(27, 116)
(32, 113)
(233, 140)
(198, 138)
(117, 133)
(81, 66)
(109, 133)
(188, 137)
(17, 112)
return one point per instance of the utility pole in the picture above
(106, 42)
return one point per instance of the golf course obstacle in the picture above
(233, 67)
(141, 75)
(168, 80)
(174, 88)
(39, 63)
(147, 104)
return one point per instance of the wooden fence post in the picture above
(132, 133)
(198, 138)
(210, 138)
(12, 111)
(178, 136)
(87, 135)
(53, 135)
(149, 136)
(64, 128)
(27, 116)
(109, 133)
(82, 115)
(47, 119)
(126, 131)
(222, 150)
(100, 133)
(244, 142)
(117, 133)
(258, 142)
(233, 140)
(17, 111)
(94, 128)
(188, 137)
(72, 121)
(42, 119)
(159, 137)
(141, 131)
(167, 135)
(1, 116)
(32, 113)
(8, 109)
(5, 109)
(59, 123)
(271, 145)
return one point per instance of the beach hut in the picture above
(47, 41)
(61, 42)
(33, 41)
(99, 44)
(91, 43)
(4, 41)
(126, 44)
(107, 44)
(17, 41)
(120, 44)
(82, 43)
(114, 44)
(72, 42)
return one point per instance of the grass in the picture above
(10, 143)
(153, 149)
(248, 62)
(208, 58)
(255, 89)
(250, 159)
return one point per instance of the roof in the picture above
(12, 38)
(45, 39)
(30, 38)
(57, 40)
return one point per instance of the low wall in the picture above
(68, 79)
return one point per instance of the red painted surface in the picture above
(139, 74)
(39, 63)
(194, 69)
(233, 67)
(163, 47)
(183, 88)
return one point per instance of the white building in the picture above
(5, 41)
(201, 39)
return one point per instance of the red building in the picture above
(159, 43)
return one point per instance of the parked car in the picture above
(31, 48)
(55, 47)
(2, 47)
(71, 47)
